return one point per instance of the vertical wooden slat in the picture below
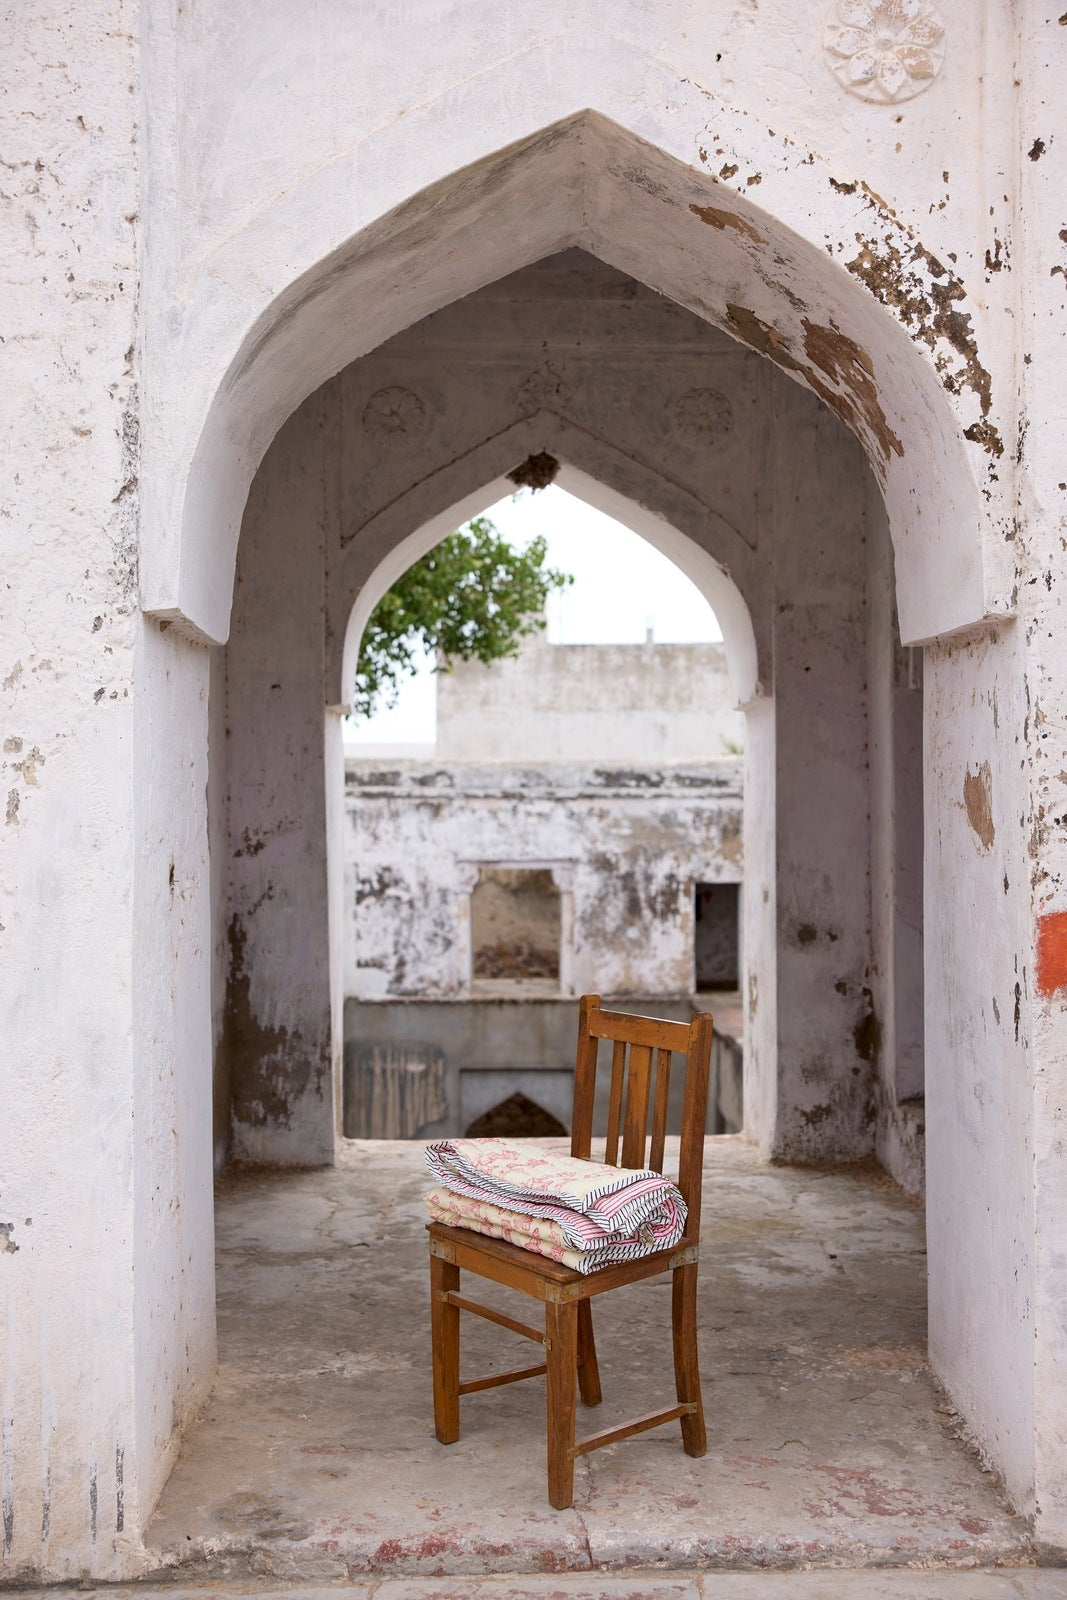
(694, 1117)
(584, 1079)
(636, 1123)
(659, 1109)
(618, 1071)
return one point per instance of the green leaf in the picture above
(472, 597)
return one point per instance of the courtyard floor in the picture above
(830, 1444)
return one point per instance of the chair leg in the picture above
(686, 1369)
(588, 1370)
(444, 1326)
(561, 1355)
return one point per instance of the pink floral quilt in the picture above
(581, 1213)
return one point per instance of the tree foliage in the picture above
(473, 596)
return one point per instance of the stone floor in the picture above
(830, 1446)
(830, 1583)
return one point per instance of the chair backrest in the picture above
(637, 1044)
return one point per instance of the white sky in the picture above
(622, 586)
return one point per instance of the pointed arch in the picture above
(712, 579)
(918, 400)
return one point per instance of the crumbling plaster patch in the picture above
(634, 852)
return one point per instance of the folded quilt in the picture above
(539, 1234)
(546, 1202)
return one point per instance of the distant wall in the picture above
(482, 1051)
(648, 703)
(625, 847)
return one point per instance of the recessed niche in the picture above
(515, 926)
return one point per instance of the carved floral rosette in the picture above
(393, 414)
(884, 50)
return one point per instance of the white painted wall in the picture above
(106, 1273)
(645, 704)
(896, 788)
(1042, 294)
(305, 292)
(979, 1092)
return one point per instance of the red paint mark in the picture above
(1052, 952)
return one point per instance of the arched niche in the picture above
(766, 275)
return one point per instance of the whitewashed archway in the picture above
(771, 276)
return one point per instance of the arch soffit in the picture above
(602, 474)
(763, 274)
(700, 567)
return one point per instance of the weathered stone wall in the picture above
(628, 847)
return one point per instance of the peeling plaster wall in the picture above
(282, 225)
(276, 1042)
(979, 1107)
(1042, 143)
(105, 1259)
(632, 845)
(219, 857)
(759, 923)
(845, 226)
(826, 1046)
(173, 1216)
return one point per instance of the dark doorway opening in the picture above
(716, 922)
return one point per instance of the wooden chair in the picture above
(570, 1352)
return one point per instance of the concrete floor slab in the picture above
(1022, 1583)
(830, 1445)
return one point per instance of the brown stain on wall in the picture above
(978, 801)
(271, 1068)
(848, 364)
(838, 357)
(867, 1034)
(926, 296)
(727, 219)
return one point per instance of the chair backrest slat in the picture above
(636, 1125)
(618, 1078)
(639, 1039)
(654, 1031)
(659, 1111)
(584, 1083)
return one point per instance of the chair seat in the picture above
(462, 1245)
